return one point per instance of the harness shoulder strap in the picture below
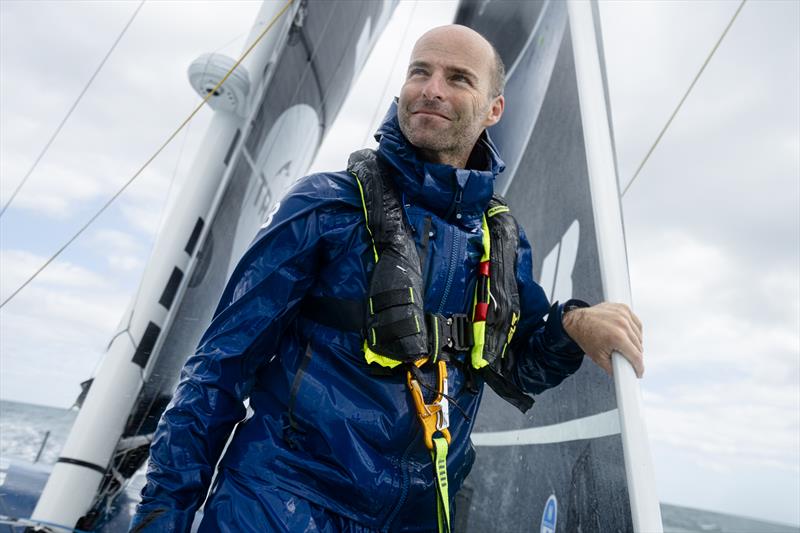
(394, 318)
(503, 312)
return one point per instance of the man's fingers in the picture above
(625, 331)
(636, 340)
(632, 315)
(630, 323)
(636, 324)
(634, 355)
(637, 327)
(603, 361)
(608, 327)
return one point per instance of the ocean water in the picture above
(23, 428)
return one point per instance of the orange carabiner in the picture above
(432, 416)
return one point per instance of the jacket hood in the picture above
(456, 194)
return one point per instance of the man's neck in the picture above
(457, 160)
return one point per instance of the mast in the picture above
(72, 486)
(603, 183)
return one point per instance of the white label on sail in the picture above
(558, 265)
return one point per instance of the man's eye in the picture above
(417, 72)
(460, 78)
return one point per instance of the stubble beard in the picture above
(449, 144)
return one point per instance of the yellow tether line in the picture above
(150, 160)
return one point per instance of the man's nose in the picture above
(434, 87)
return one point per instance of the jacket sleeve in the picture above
(259, 301)
(545, 354)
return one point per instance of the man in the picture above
(335, 443)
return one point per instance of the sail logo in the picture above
(550, 515)
(283, 156)
(556, 279)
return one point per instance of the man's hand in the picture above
(604, 328)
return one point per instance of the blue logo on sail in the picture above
(550, 515)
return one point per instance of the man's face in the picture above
(446, 101)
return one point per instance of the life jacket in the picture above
(395, 326)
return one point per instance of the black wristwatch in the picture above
(572, 304)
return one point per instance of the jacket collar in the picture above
(445, 190)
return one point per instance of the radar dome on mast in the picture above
(207, 71)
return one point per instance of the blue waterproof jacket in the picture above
(325, 432)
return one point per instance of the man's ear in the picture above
(495, 111)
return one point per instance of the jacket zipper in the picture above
(404, 482)
(454, 249)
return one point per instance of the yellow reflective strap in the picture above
(366, 215)
(411, 292)
(382, 360)
(435, 338)
(439, 456)
(370, 307)
(487, 241)
(474, 301)
(479, 335)
(479, 327)
(416, 322)
(497, 209)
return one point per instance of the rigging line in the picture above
(166, 203)
(324, 97)
(261, 145)
(699, 73)
(164, 207)
(306, 70)
(178, 162)
(150, 160)
(380, 104)
(245, 139)
(229, 42)
(69, 112)
(243, 147)
(161, 217)
(242, 144)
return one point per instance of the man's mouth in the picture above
(431, 113)
(432, 110)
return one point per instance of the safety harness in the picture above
(398, 334)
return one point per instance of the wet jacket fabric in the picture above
(326, 444)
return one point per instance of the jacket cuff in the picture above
(556, 339)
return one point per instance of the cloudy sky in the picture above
(713, 221)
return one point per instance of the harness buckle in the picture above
(452, 333)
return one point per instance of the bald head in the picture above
(476, 44)
(452, 93)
